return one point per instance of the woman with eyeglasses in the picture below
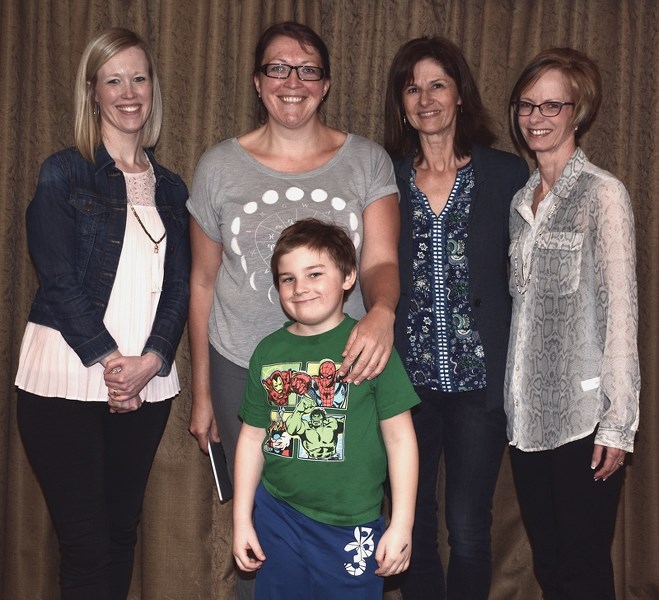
(572, 379)
(454, 312)
(245, 191)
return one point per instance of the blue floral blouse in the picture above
(445, 351)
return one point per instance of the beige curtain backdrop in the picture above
(204, 53)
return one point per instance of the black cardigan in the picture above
(497, 176)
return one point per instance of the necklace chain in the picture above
(155, 242)
(144, 229)
(521, 282)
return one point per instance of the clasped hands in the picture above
(125, 378)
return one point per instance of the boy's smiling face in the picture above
(311, 289)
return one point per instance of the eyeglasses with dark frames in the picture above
(282, 71)
(523, 108)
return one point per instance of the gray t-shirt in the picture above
(245, 205)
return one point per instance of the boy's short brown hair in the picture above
(316, 235)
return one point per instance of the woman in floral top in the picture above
(454, 311)
(572, 378)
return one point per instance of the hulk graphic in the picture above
(319, 433)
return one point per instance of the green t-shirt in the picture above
(323, 449)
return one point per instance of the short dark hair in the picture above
(303, 34)
(583, 78)
(316, 235)
(474, 125)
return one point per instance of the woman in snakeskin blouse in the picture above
(572, 377)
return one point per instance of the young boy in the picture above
(312, 454)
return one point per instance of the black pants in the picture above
(93, 468)
(472, 440)
(569, 518)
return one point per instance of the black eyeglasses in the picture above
(304, 72)
(547, 109)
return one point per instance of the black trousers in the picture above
(570, 520)
(93, 468)
(472, 440)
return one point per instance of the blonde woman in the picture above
(108, 233)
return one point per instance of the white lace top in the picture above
(49, 367)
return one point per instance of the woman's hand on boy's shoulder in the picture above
(369, 347)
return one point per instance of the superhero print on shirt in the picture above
(326, 388)
(281, 384)
(319, 434)
(307, 410)
(278, 440)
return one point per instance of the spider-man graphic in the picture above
(326, 389)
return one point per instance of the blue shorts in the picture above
(306, 559)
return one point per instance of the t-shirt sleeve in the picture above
(383, 179)
(394, 392)
(203, 202)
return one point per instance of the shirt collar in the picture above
(560, 190)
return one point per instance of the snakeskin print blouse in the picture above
(573, 358)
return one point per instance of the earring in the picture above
(460, 108)
(576, 128)
(405, 120)
(95, 111)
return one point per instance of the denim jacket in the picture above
(75, 229)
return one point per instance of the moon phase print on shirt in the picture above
(253, 236)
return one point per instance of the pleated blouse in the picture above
(49, 367)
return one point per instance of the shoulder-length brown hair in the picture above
(583, 78)
(473, 122)
(87, 123)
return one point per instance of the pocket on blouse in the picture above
(558, 262)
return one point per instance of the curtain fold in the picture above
(204, 52)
